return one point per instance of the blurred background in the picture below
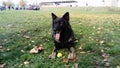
(37, 4)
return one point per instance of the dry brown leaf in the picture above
(2, 65)
(37, 49)
(33, 50)
(65, 60)
(106, 56)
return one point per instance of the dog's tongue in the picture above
(57, 36)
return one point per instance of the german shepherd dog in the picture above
(63, 35)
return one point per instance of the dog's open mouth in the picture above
(57, 36)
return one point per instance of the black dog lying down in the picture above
(63, 35)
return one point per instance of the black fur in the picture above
(62, 25)
(63, 35)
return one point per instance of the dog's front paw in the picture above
(52, 56)
(72, 56)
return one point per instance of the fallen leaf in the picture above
(107, 64)
(33, 50)
(47, 40)
(66, 66)
(20, 66)
(99, 28)
(101, 42)
(5, 40)
(2, 65)
(10, 25)
(37, 49)
(93, 33)
(80, 48)
(26, 62)
(8, 49)
(94, 27)
(102, 51)
(1, 47)
(76, 41)
(22, 30)
(22, 51)
(80, 23)
(26, 36)
(105, 60)
(76, 65)
(65, 60)
(92, 39)
(89, 37)
(82, 52)
(98, 32)
(32, 41)
(97, 63)
(118, 67)
(107, 48)
(89, 52)
(49, 33)
(106, 56)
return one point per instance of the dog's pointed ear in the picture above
(53, 16)
(66, 16)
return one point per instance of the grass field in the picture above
(97, 31)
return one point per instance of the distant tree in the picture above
(4, 3)
(22, 4)
(8, 4)
(12, 5)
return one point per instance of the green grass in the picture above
(90, 25)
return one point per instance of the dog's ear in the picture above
(66, 16)
(53, 16)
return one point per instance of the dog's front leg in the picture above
(53, 55)
(72, 55)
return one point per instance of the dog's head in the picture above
(60, 24)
